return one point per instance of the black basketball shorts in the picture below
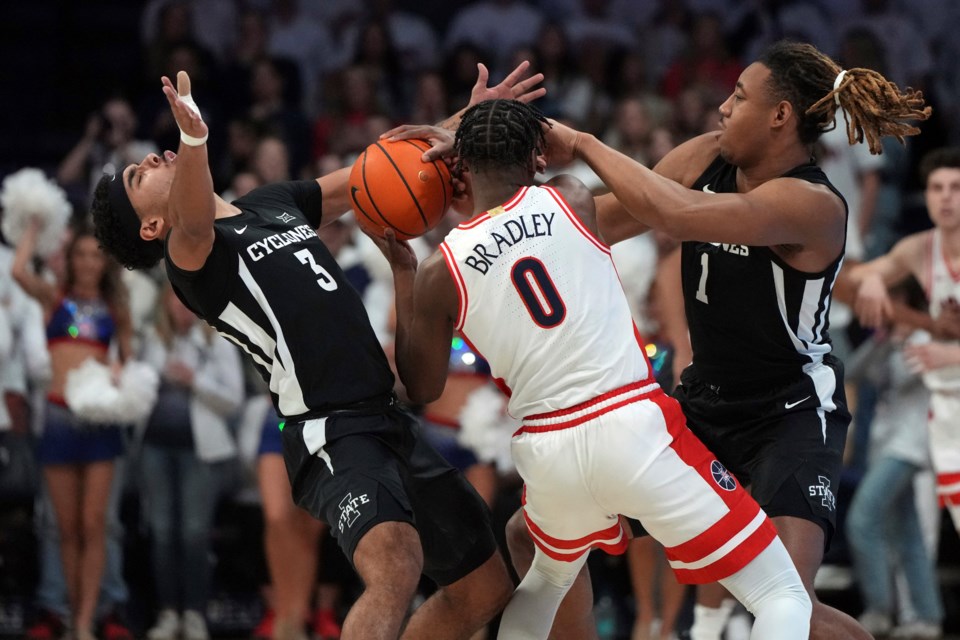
(378, 468)
(785, 444)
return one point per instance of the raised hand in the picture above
(512, 87)
(185, 112)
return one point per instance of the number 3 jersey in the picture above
(270, 286)
(540, 299)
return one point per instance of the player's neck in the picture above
(769, 167)
(488, 194)
(223, 208)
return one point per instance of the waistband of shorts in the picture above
(590, 409)
(366, 407)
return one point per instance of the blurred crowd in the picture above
(297, 89)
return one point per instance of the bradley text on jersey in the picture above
(508, 234)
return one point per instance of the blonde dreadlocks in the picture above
(873, 106)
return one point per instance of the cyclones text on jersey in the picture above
(265, 247)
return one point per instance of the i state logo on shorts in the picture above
(350, 509)
(722, 477)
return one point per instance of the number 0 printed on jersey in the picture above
(538, 292)
(326, 281)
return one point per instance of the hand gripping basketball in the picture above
(393, 188)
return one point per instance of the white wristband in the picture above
(191, 141)
(186, 138)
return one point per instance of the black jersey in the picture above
(270, 286)
(754, 321)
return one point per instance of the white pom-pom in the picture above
(93, 397)
(27, 194)
(486, 428)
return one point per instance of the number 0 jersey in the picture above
(270, 286)
(755, 321)
(540, 299)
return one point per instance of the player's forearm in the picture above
(649, 198)
(403, 301)
(614, 221)
(335, 190)
(192, 202)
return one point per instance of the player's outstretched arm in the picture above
(779, 212)
(192, 204)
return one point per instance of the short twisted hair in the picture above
(496, 134)
(114, 235)
(873, 106)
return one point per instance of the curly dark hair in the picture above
(499, 133)
(114, 236)
(873, 106)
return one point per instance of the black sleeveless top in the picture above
(755, 322)
(271, 286)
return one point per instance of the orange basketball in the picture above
(391, 187)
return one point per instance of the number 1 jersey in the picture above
(540, 299)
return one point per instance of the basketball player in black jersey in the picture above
(257, 272)
(763, 234)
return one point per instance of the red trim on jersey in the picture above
(577, 222)
(955, 275)
(515, 200)
(483, 217)
(454, 270)
(497, 381)
(742, 509)
(928, 259)
(470, 224)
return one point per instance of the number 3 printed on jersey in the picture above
(326, 281)
(538, 292)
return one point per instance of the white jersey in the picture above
(944, 284)
(540, 299)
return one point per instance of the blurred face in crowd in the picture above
(119, 122)
(942, 197)
(271, 161)
(633, 121)
(87, 262)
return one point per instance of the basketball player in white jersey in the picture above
(933, 257)
(529, 283)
